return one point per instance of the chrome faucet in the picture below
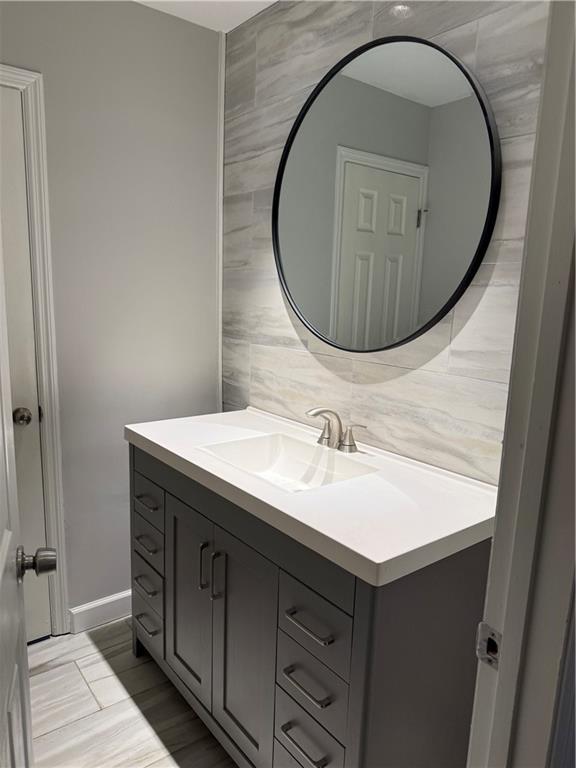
(332, 432)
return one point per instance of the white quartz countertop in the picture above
(379, 527)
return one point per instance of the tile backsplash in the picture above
(440, 399)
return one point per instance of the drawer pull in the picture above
(202, 584)
(149, 632)
(213, 594)
(319, 703)
(149, 592)
(321, 763)
(290, 614)
(153, 550)
(148, 502)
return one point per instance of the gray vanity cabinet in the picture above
(189, 544)
(245, 586)
(221, 607)
(291, 661)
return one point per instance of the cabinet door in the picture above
(188, 613)
(245, 619)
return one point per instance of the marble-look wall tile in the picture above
(301, 41)
(235, 371)
(290, 382)
(448, 421)
(517, 157)
(227, 406)
(262, 128)
(430, 18)
(460, 41)
(429, 351)
(501, 265)
(237, 229)
(240, 69)
(510, 61)
(262, 228)
(252, 173)
(248, 230)
(442, 397)
(254, 309)
(483, 333)
(504, 252)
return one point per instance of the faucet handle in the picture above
(348, 444)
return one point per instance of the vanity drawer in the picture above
(319, 626)
(149, 543)
(283, 758)
(316, 688)
(149, 501)
(149, 626)
(148, 584)
(303, 737)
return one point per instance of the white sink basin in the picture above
(288, 463)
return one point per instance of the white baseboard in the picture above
(101, 611)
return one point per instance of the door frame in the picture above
(31, 87)
(383, 163)
(518, 570)
(17, 696)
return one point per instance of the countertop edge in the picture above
(374, 573)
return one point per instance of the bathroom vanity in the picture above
(314, 609)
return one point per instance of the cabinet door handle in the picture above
(290, 614)
(201, 584)
(153, 550)
(214, 556)
(288, 673)
(149, 632)
(323, 761)
(148, 502)
(149, 592)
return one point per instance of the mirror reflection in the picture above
(384, 195)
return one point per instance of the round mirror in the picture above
(386, 195)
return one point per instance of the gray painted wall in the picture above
(131, 111)
(459, 190)
(388, 125)
(442, 398)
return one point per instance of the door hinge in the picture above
(40, 413)
(488, 642)
(419, 216)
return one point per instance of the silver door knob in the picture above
(22, 416)
(44, 561)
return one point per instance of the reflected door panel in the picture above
(378, 271)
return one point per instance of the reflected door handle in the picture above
(22, 416)
(44, 561)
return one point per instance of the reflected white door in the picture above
(15, 734)
(378, 271)
(22, 353)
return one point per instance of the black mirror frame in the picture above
(493, 202)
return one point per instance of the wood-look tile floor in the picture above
(95, 705)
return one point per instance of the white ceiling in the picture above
(411, 70)
(221, 15)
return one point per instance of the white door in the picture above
(22, 353)
(378, 270)
(15, 734)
